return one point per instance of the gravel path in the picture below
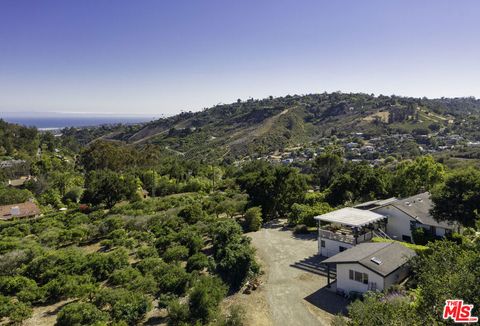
(290, 291)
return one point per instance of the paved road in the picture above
(295, 297)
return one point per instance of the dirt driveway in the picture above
(294, 296)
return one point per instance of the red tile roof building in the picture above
(27, 209)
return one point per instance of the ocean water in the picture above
(62, 121)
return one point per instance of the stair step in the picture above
(311, 265)
(317, 271)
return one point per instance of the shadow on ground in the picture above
(156, 320)
(306, 236)
(281, 225)
(276, 224)
(328, 301)
(57, 309)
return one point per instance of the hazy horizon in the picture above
(160, 58)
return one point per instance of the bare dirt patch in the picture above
(383, 116)
(46, 315)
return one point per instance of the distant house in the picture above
(11, 163)
(21, 210)
(347, 227)
(19, 182)
(370, 267)
(406, 214)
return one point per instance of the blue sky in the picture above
(161, 57)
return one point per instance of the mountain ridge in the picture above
(258, 127)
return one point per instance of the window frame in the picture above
(358, 276)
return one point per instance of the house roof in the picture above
(382, 258)
(18, 182)
(25, 209)
(376, 203)
(351, 216)
(418, 207)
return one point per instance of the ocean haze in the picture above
(56, 120)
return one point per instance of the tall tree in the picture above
(325, 167)
(275, 188)
(107, 187)
(422, 174)
(458, 199)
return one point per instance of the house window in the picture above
(406, 238)
(322, 243)
(365, 278)
(413, 225)
(358, 276)
(340, 248)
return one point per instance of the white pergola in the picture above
(350, 216)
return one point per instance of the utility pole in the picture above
(153, 183)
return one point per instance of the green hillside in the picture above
(259, 127)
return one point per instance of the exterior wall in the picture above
(398, 222)
(396, 277)
(346, 284)
(439, 231)
(332, 247)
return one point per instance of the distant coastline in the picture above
(61, 121)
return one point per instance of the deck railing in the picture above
(346, 238)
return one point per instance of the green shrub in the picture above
(175, 254)
(14, 310)
(124, 276)
(178, 313)
(206, 294)
(418, 248)
(197, 262)
(172, 279)
(123, 305)
(253, 219)
(300, 229)
(192, 213)
(235, 317)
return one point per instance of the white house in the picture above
(370, 267)
(406, 214)
(347, 227)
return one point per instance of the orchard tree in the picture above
(11, 195)
(80, 313)
(206, 295)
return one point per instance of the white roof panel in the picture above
(351, 216)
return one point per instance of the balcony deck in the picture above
(345, 237)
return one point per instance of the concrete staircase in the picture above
(313, 264)
(380, 233)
